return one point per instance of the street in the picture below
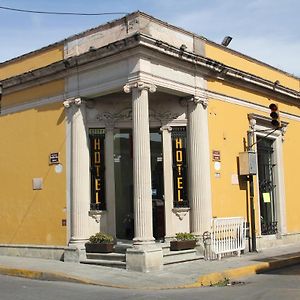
(280, 284)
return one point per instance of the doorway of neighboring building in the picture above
(267, 187)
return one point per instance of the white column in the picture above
(168, 179)
(198, 166)
(110, 179)
(80, 174)
(141, 162)
(145, 256)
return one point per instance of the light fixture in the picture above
(183, 47)
(226, 41)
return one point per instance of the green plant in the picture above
(101, 237)
(185, 236)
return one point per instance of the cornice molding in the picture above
(205, 66)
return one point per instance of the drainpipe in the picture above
(1, 90)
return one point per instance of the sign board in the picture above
(54, 158)
(216, 155)
(97, 163)
(179, 166)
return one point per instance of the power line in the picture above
(61, 13)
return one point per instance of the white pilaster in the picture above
(198, 166)
(168, 179)
(110, 179)
(80, 174)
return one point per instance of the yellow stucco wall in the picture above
(31, 61)
(30, 216)
(42, 91)
(234, 60)
(228, 124)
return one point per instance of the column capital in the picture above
(167, 128)
(73, 101)
(199, 99)
(140, 85)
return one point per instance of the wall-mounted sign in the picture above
(97, 138)
(179, 166)
(216, 155)
(54, 158)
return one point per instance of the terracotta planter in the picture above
(99, 248)
(182, 245)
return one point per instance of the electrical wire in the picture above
(61, 13)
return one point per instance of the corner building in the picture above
(135, 128)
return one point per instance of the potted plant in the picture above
(183, 241)
(100, 243)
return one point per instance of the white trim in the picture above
(32, 104)
(280, 201)
(68, 175)
(248, 104)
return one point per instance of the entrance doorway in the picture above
(267, 194)
(158, 203)
(123, 167)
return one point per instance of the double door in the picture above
(123, 170)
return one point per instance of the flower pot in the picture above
(182, 245)
(99, 248)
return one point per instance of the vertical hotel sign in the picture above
(97, 138)
(179, 166)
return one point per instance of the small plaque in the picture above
(54, 158)
(216, 155)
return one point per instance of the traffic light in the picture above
(274, 115)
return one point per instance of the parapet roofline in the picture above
(125, 20)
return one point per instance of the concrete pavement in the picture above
(184, 275)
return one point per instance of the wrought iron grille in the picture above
(269, 228)
(266, 186)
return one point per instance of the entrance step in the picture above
(174, 257)
(116, 260)
(106, 256)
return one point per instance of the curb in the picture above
(215, 278)
(51, 276)
(202, 281)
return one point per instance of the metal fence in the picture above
(228, 236)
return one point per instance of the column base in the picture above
(144, 258)
(76, 250)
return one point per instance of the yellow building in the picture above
(135, 128)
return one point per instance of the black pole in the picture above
(252, 214)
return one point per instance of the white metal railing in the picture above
(228, 235)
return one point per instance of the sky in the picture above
(267, 30)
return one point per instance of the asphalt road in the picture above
(278, 285)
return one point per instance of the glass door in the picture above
(123, 165)
(158, 204)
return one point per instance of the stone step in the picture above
(121, 247)
(107, 256)
(173, 257)
(105, 263)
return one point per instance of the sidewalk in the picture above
(184, 275)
